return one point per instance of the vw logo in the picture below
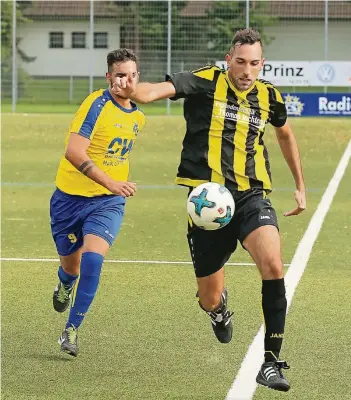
(326, 73)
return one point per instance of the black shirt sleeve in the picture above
(187, 84)
(279, 116)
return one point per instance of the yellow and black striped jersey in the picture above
(224, 129)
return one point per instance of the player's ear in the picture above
(228, 58)
(108, 78)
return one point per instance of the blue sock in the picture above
(65, 278)
(90, 269)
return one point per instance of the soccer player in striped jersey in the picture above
(87, 206)
(226, 113)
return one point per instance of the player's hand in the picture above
(300, 197)
(125, 189)
(123, 86)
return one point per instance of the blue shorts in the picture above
(73, 217)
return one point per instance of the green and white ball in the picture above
(210, 206)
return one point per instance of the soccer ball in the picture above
(210, 206)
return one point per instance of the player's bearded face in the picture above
(126, 69)
(244, 64)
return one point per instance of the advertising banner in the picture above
(330, 73)
(287, 73)
(305, 73)
(318, 104)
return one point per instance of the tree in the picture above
(201, 36)
(146, 23)
(224, 18)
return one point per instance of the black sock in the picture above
(274, 310)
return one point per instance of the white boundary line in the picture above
(244, 385)
(127, 261)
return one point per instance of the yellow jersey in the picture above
(112, 131)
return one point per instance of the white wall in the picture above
(304, 41)
(294, 40)
(67, 61)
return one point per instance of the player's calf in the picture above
(90, 269)
(63, 291)
(221, 319)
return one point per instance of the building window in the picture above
(100, 40)
(78, 40)
(56, 40)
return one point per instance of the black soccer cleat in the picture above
(62, 297)
(69, 341)
(271, 376)
(222, 321)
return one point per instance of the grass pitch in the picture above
(145, 337)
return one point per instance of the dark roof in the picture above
(195, 8)
(310, 9)
(283, 9)
(69, 9)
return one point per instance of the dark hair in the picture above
(246, 36)
(120, 55)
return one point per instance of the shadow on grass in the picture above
(61, 357)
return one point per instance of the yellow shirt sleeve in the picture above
(84, 121)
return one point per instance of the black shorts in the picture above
(210, 250)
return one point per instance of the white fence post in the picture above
(14, 56)
(169, 48)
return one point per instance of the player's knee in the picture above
(95, 244)
(272, 268)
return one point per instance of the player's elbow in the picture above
(73, 156)
(284, 132)
(69, 155)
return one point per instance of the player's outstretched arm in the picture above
(288, 145)
(148, 92)
(76, 154)
(143, 92)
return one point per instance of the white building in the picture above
(58, 35)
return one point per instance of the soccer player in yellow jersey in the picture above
(226, 113)
(87, 206)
